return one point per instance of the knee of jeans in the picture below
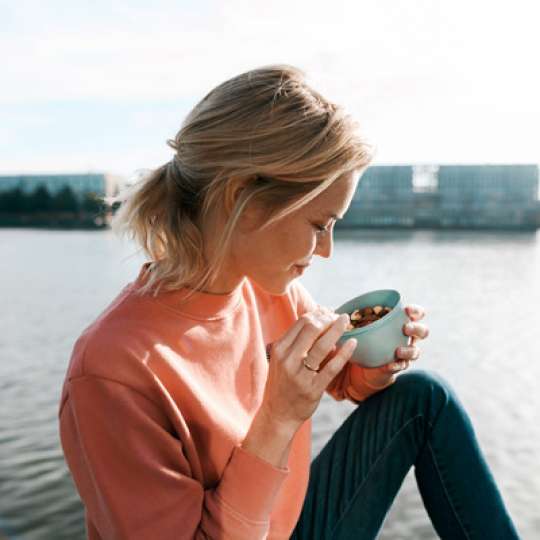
(429, 386)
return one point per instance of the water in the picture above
(480, 290)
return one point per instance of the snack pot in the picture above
(377, 320)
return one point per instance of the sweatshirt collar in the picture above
(201, 305)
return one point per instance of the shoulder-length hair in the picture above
(265, 130)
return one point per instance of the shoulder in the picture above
(115, 345)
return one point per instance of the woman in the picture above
(186, 407)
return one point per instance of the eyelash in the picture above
(320, 228)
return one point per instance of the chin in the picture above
(274, 287)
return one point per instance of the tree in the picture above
(92, 203)
(13, 200)
(65, 201)
(40, 200)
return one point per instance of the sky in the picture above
(99, 86)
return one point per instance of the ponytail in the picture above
(160, 213)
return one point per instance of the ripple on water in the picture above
(492, 366)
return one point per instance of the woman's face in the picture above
(272, 257)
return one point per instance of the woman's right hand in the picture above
(292, 391)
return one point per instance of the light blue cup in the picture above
(377, 342)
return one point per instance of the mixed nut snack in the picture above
(362, 317)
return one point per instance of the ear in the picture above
(233, 190)
(234, 187)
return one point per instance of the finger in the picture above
(324, 309)
(327, 341)
(415, 312)
(328, 357)
(396, 367)
(314, 326)
(285, 342)
(336, 363)
(407, 353)
(414, 329)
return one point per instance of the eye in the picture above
(321, 228)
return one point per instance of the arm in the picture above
(137, 482)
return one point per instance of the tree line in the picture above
(16, 201)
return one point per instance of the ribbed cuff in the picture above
(362, 390)
(250, 485)
(373, 386)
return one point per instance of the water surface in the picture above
(480, 289)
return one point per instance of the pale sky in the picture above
(95, 85)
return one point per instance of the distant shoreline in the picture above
(63, 221)
(55, 225)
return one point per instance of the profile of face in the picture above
(273, 257)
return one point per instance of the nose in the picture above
(324, 245)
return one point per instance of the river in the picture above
(481, 291)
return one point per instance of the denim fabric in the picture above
(417, 421)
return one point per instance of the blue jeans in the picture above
(417, 421)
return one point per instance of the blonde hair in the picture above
(265, 131)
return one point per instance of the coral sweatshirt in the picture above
(156, 402)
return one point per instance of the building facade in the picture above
(458, 196)
(488, 195)
(384, 197)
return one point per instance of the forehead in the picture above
(334, 200)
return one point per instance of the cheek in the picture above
(297, 245)
(279, 247)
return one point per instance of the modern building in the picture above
(384, 197)
(481, 186)
(488, 195)
(453, 196)
(385, 183)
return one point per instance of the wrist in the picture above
(269, 439)
(280, 427)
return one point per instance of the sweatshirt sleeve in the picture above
(350, 382)
(136, 482)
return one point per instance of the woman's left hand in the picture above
(383, 375)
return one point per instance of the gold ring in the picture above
(316, 370)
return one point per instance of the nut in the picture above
(362, 317)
